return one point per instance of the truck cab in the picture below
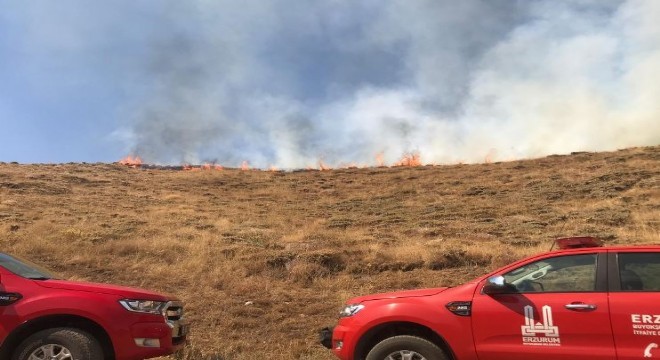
(580, 301)
(43, 317)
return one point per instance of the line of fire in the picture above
(408, 160)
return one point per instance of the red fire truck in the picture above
(42, 317)
(582, 301)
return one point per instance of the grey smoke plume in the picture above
(288, 83)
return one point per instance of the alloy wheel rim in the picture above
(405, 355)
(51, 352)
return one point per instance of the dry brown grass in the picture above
(294, 245)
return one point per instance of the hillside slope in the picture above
(264, 259)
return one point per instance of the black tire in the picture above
(412, 347)
(65, 343)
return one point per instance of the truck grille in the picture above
(174, 312)
(174, 317)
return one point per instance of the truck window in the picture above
(24, 268)
(639, 271)
(571, 273)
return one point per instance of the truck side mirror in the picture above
(497, 285)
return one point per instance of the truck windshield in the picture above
(24, 268)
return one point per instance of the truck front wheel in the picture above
(405, 347)
(60, 344)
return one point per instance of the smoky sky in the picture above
(291, 83)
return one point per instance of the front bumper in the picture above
(340, 339)
(147, 339)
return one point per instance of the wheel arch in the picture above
(383, 331)
(57, 321)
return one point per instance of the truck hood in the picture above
(398, 294)
(122, 291)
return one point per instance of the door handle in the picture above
(580, 307)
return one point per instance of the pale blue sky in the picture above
(289, 83)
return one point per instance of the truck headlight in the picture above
(351, 310)
(143, 306)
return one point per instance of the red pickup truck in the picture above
(42, 317)
(581, 301)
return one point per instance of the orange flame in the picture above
(380, 162)
(245, 166)
(324, 166)
(131, 161)
(188, 167)
(411, 159)
(490, 156)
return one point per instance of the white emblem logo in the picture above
(647, 351)
(537, 333)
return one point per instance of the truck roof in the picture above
(611, 248)
(590, 242)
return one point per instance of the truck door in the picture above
(634, 284)
(552, 308)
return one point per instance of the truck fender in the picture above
(433, 321)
